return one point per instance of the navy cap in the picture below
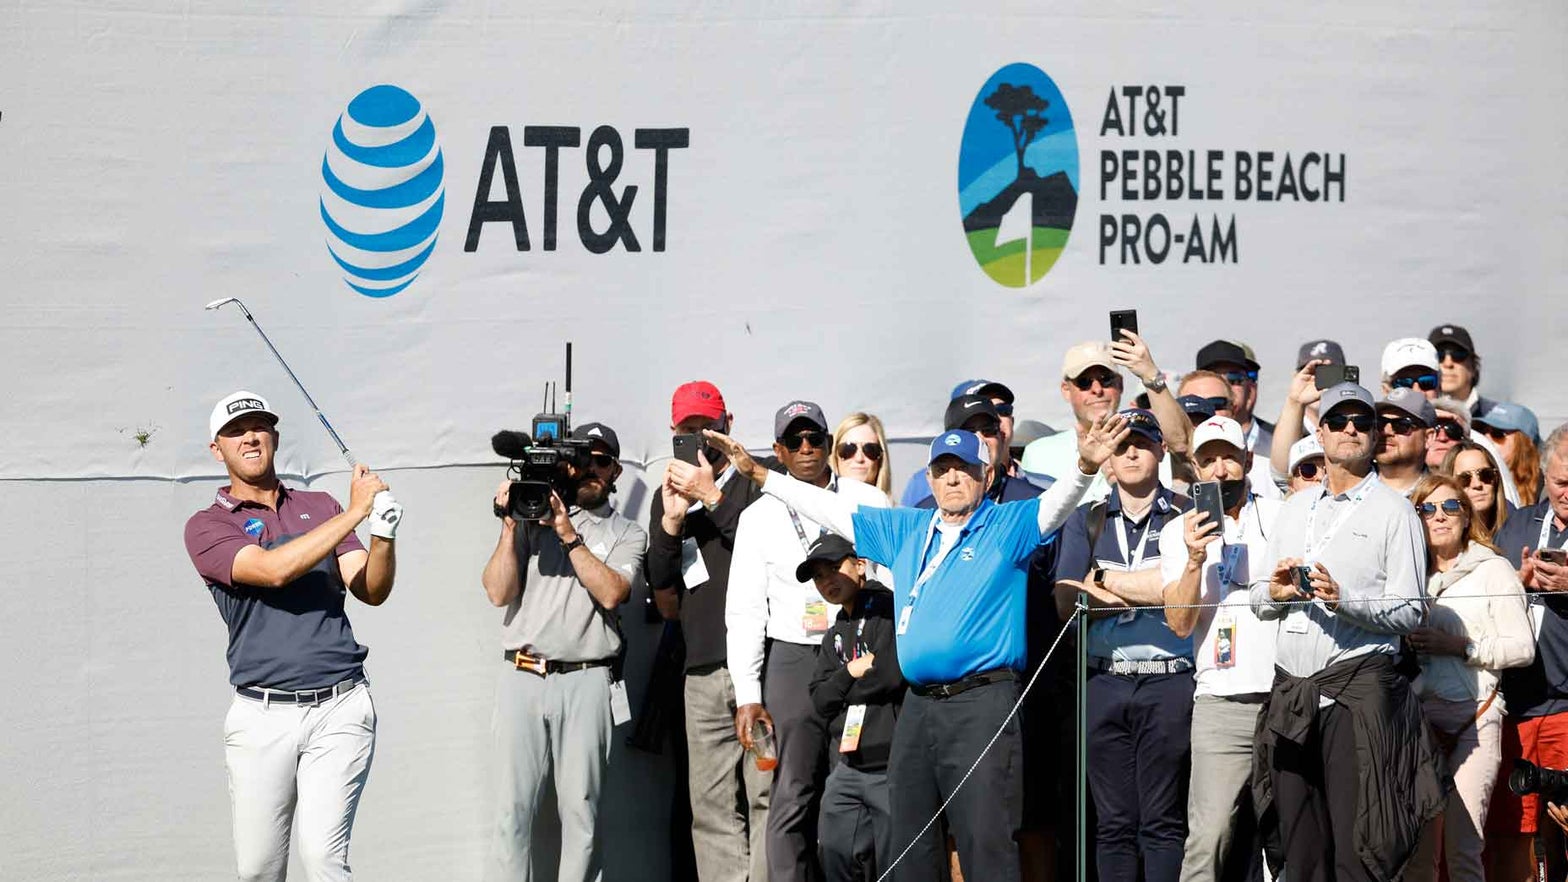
(829, 548)
(988, 388)
(967, 446)
(1201, 407)
(965, 408)
(1144, 423)
(601, 433)
(798, 410)
(1316, 349)
(1343, 395)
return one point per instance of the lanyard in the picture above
(800, 532)
(1545, 540)
(1312, 517)
(1135, 561)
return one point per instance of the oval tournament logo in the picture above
(382, 194)
(1018, 175)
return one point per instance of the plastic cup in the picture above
(763, 747)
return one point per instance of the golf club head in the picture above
(223, 302)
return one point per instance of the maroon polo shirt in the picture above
(293, 637)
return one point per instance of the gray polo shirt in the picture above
(1371, 541)
(554, 616)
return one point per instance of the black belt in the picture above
(301, 696)
(948, 690)
(1157, 666)
(533, 664)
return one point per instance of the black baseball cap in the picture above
(601, 433)
(1451, 334)
(1200, 408)
(1316, 349)
(798, 410)
(1224, 352)
(830, 548)
(989, 388)
(965, 408)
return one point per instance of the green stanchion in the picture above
(1082, 614)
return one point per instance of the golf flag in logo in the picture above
(1018, 223)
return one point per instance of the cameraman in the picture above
(560, 580)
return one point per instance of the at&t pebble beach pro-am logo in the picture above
(1018, 175)
(383, 196)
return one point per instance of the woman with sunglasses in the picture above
(1472, 466)
(860, 452)
(1516, 432)
(1477, 625)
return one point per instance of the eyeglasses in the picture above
(601, 460)
(1107, 380)
(1427, 382)
(1363, 422)
(1307, 471)
(1003, 409)
(1450, 429)
(873, 450)
(1453, 352)
(1496, 434)
(815, 439)
(1400, 425)
(1488, 475)
(986, 430)
(1451, 507)
(1236, 378)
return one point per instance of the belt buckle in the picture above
(315, 697)
(524, 662)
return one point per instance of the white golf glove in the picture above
(385, 514)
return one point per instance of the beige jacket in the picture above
(1481, 599)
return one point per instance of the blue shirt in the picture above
(968, 616)
(1540, 688)
(1138, 634)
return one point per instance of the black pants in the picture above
(802, 746)
(1315, 796)
(1140, 736)
(856, 825)
(934, 744)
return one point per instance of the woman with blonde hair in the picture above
(860, 451)
(1473, 466)
(1476, 626)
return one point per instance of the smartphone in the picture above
(1304, 579)
(686, 447)
(1123, 318)
(1206, 499)
(1556, 556)
(1330, 375)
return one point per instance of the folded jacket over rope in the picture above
(1404, 780)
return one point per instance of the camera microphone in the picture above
(511, 444)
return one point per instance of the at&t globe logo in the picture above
(383, 195)
(1018, 175)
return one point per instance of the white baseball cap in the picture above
(1306, 448)
(1219, 429)
(1409, 352)
(235, 405)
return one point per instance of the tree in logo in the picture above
(1019, 108)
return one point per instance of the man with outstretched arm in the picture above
(301, 730)
(960, 575)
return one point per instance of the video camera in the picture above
(548, 461)
(1528, 778)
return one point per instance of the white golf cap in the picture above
(1409, 352)
(1304, 449)
(1219, 429)
(235, 405)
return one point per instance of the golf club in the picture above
(342, 448)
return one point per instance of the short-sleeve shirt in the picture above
(293, 637)
(969, 615)
(1124, 545)
(554, 616)
(1541, 687)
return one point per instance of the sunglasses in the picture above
(1498, 435)
(1307, 471)
(873, 450)
(1337, 422)
(1450, 429)
(1451, 507)
(1400, 425)
(1487, 475)
(1003, 409)
(1452, 352)
(1236, 378)
(1427, 382)
(1086, 381)
(601, 460)
(988, 430)
(815, 439)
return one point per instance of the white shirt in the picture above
(765, 599)
(1244, 664)
(1260, 441)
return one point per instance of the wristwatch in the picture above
(575, 543)
(1097, 577)
(1157, 384)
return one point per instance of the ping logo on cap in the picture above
(246, 404)
(951, 441)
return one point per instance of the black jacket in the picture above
(1404, 779)
(833, 689)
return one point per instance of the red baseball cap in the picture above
(697, 398)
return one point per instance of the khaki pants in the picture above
(729, 797)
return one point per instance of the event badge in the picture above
(694, 571)
(815, 619)
(854, 719)
(1225, 642)
(1296, 622)
(620, 708)
(903, 619)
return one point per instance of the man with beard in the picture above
(559, 698)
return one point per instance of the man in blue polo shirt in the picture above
(959, 575)
(1140, 685)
